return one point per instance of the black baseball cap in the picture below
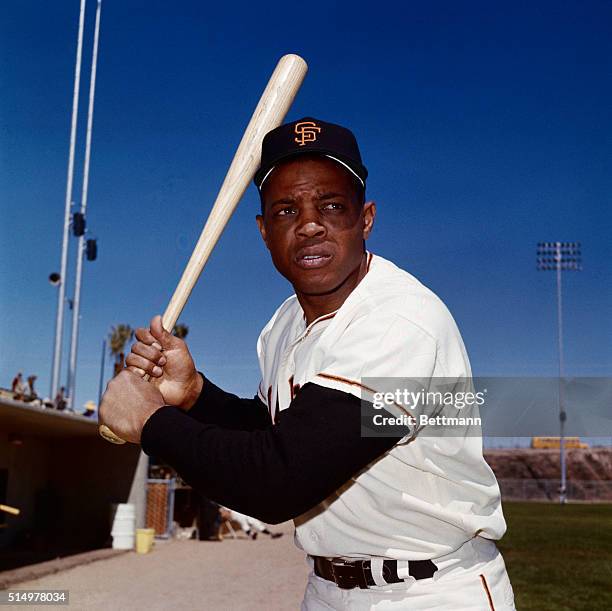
(310, 136)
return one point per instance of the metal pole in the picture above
(71, 386)
(101, 373)
(59, 321)
(562, 414)
(560, 256)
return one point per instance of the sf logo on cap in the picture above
(306, 132)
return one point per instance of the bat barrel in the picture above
(269, 113)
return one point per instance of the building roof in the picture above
(17, 417)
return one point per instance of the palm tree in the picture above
(117, 339)
(180, 331)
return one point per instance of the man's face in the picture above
(314, 225)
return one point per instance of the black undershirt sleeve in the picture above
(215, 406)
(275, 473)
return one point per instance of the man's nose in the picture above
(310, 225)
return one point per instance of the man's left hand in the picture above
(127, 404)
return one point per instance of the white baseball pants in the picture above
(473, 578)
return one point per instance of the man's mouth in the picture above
(312, 257)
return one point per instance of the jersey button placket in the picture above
(286, 372)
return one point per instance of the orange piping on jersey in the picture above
(485, 585)
(344, 380)
(293, 388)
(331, 315)
(312, 324)
(270, 401)
(324, 317)
(355, 383)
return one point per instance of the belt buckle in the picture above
(344, 577)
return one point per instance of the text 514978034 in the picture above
(34, 597)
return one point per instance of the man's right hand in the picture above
(167, 360)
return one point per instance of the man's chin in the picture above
(317, 287)
(319, 282)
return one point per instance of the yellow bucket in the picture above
(144, 540)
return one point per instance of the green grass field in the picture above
(559, 557)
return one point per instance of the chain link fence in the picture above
(548, 490)
(160, 506)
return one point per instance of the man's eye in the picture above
(333, 206)
(285, 211)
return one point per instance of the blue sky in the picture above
(486, 127)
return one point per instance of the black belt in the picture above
(348, 574)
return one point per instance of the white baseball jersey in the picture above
(422, 499)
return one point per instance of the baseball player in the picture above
(403, 521)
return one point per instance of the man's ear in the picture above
(369, 214)
(262, 228)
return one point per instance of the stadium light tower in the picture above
(86, 248)
(559, 257)
(61, 294)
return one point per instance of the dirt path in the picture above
(232, 574)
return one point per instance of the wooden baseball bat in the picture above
(269, 113)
